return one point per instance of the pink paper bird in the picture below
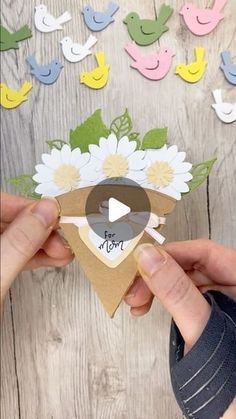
(202, 21)
(152, 66)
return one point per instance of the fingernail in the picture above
(47, 211)
(132, 291)
(149, 259)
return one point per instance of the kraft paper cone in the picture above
(110, 284)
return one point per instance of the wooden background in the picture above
(62, 357)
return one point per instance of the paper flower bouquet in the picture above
(97, 153)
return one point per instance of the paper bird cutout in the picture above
(11, 99)
(46, 74)
(97, 21)
(98, 78)
(45, 22)
(10, 40)
(153, 66)
(226, 112)
(146, 31)
(202, 21)
(228, 67)
(194, 71)
(75, 52)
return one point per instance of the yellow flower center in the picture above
(160, 174)
(67, 177)
(115, 165)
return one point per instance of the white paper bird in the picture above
(45, 22)
(226, 112)
(75, 52)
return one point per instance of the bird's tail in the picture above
(101, 60)
(219, 5)
(92, 40)
(27, 86)
(32, 61)
(66, 17)
(226, 57)
(217, 95)
(112, 9)
(133, 50)
(165, 14)
(23, 33)
(199, 53)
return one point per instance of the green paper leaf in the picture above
(156, 138)
(89, 132)
(122, 125)
(24, 185)
(135, 136)
(58, 144)
(200, 173)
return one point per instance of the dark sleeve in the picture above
(204, 380)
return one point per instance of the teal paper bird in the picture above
(10, 40)
(146, 31)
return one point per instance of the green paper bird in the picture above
(146, 31)
(10, 40)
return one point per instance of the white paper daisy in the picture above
(117, 159)
(63, 171)
(166, 171)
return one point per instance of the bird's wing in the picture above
(204, 17)
(148, 27)
(49, 21)
(76, 49)
(99, 17)
(194, 68)
(152, 62)
(227, 108)
(232, 69)
(98, 73)
(12, 95)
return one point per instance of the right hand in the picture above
(177, 274)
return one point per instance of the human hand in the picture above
(177, 274)
(29, 238)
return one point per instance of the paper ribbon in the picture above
(136, 217)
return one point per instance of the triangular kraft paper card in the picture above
(111, 284)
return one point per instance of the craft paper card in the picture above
(153, 66)
(146, 31)
(10, 98)
(97, 21)
(194, 71)
(102, 162)
(225, 111)
(45, 22)
(202, 21)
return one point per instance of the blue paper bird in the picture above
(46, 74)
(97, 21)
(228, 67)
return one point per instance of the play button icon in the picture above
(117, 210)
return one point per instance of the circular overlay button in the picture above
(118, 209)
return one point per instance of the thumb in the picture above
(24, 237)
(170, 284)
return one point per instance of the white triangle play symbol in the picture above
(117, 210)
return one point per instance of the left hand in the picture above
(29, 237)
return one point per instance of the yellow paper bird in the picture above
(193, 72)
(97, 78)
(10, 99)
